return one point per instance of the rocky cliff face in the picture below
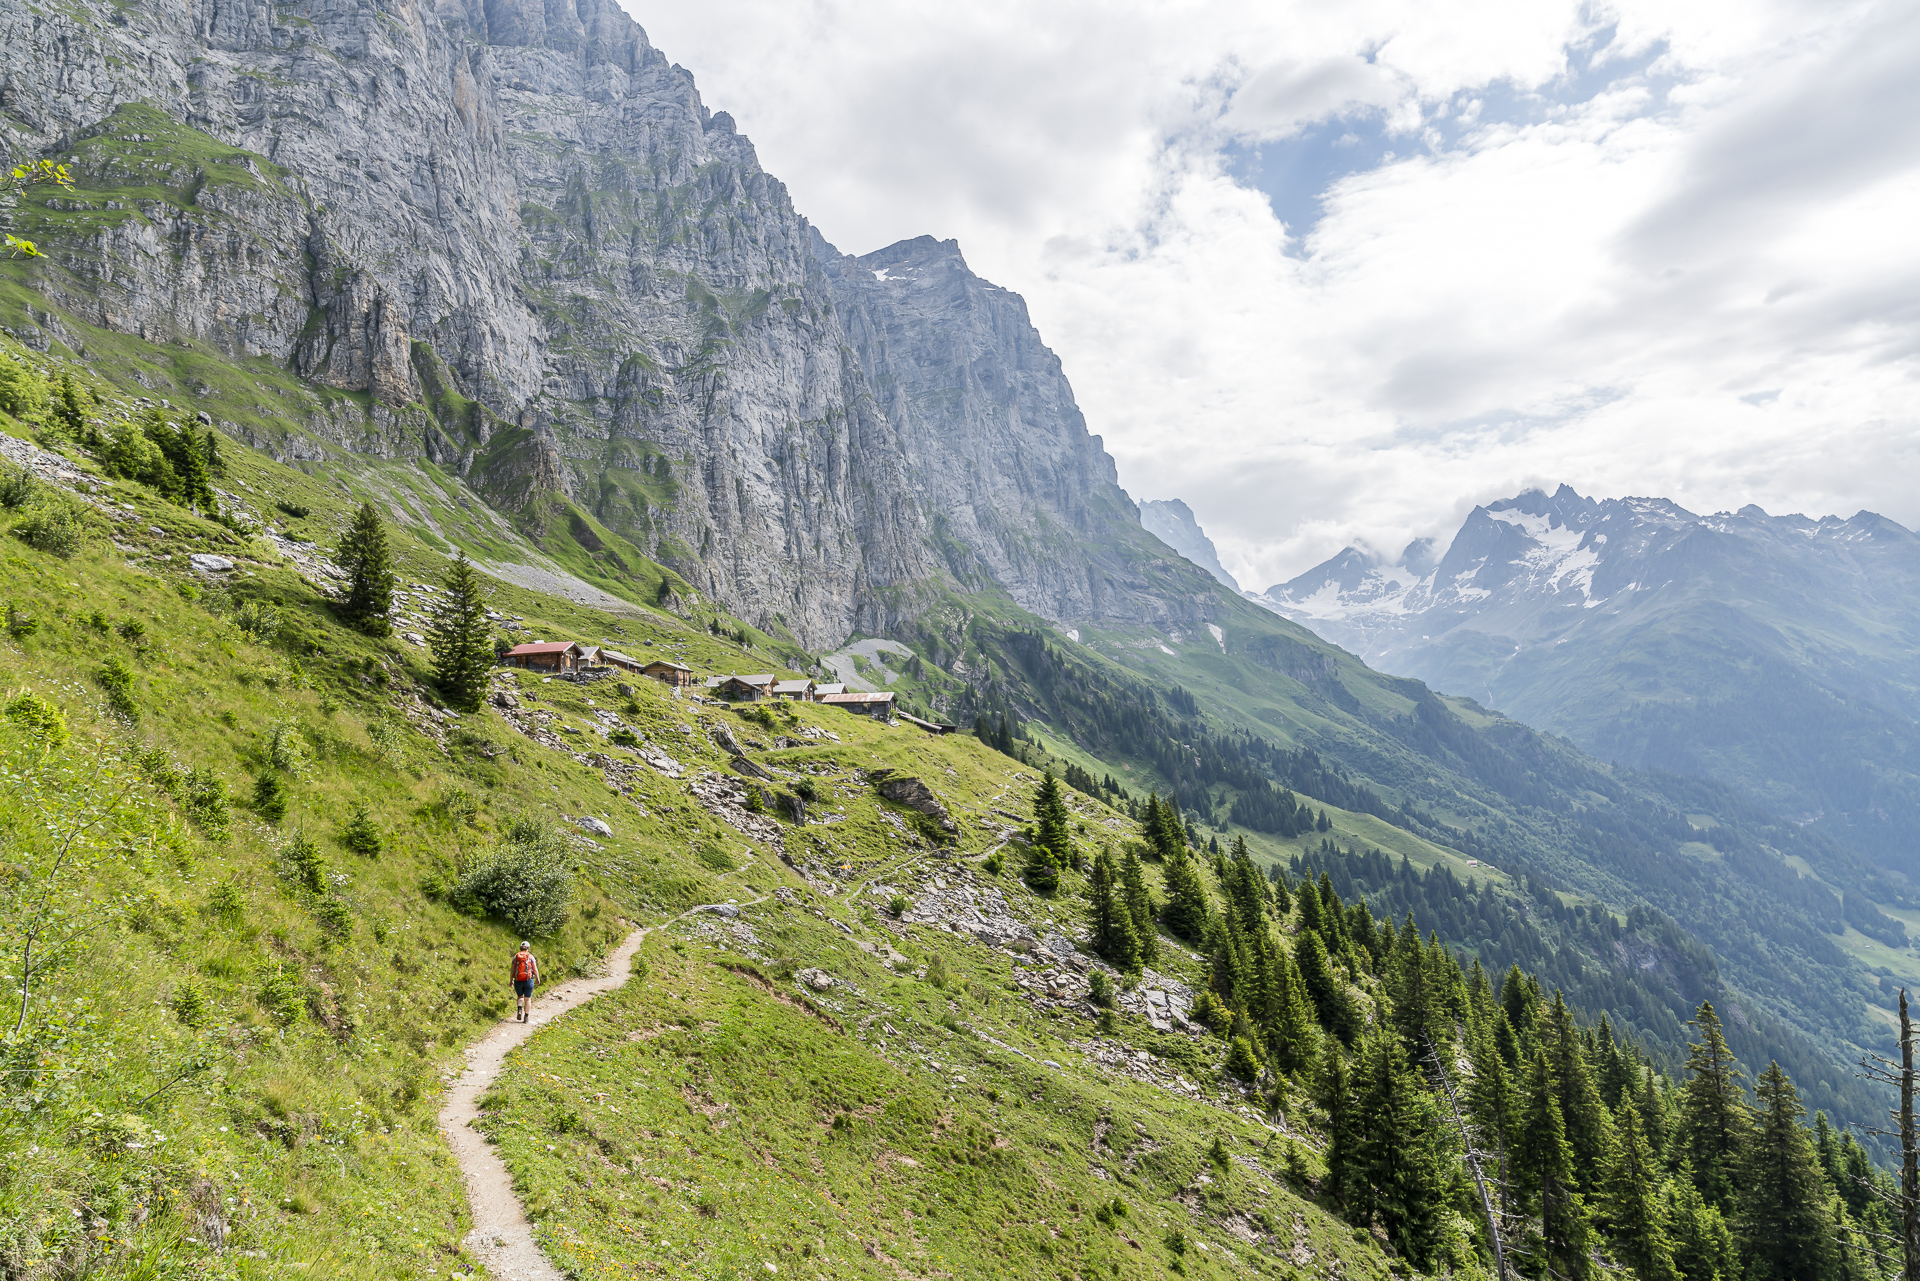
(515, 227)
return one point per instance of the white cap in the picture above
(525, 946)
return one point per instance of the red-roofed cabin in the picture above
(547, 656)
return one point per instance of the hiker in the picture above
(526, 972)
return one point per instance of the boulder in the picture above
(594, 825)
(915, 795)
(818, 980)
(208, 563)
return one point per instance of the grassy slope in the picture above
(312, 1144)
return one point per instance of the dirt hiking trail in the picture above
(501, 1238)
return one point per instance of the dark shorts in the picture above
(523, 987)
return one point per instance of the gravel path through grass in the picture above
(501, 1237)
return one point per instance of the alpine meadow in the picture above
(451, 497)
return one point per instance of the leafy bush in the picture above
(287, 751)
(125, 451)
(807, 790)
(56, 524)
(39, 717)
(360, 835)
(116, 678)
(259, 621)
(17, 487)
(23, 392)
(524, 881)
(992, 865)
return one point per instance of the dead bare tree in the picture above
(1880, 1068)
(1473, 1156)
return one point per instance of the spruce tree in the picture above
(1187, 909)
(1702, 1246)
(1346, 1179)
(1713, 1111)
(1587, 1126)
(1041, 872)
(1396, 1159)
(1781, 1223)
(1636, 1217)
(1330, 1000)
(1543, 1173)
(363, 553)
(1139, 901)
(1113, 936)
(1291, 1035)
(1050, 821)
(462, 654)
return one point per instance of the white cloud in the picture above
(1646, 248)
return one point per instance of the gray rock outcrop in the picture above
(549, 266)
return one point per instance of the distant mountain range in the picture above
(1777, 653)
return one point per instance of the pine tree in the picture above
(1346, 1181)
(462, 655)
(1040, 872)
(364, 554)
(1113, 936)
(1051, 823)
(1635, 1216)
(1781, 1222)
(1153, 827)
(1588, 1129)
(1713, 1112)
(1187, 909)
(1139, 902)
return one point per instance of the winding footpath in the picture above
(502, 1238)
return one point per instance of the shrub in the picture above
(523, 881)
(294, 510)
(189, 1004)
(937, 973)
(756, 803)
(899, 904)
(19, 625)
(227, 902)
(715, 858)
(1100, 988)
(1217, 1154)
(116, 678)
(126, 452)
(286, 750)
(18, 487)
(806, 790)
(205, 801)
(308, 867)
(39, 717)
(260, 622)
(624, 738)
(334, 917)
(283, 997)
(270, 796)
(1242, 1061)
(992, 865)
(1108, 1023)
(360, 835)
(23, 392)
(132, 631)
(57, 525)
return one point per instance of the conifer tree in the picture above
(1113, 936)
(1781, 1222)
(462, 654)
(1291, 1035)
(1330, 1001)
(1041, 872)
(1544, 1174)
(1587, 1126)
(1396, 1159)
(1152, 828)
(1713, 1111)
(1345, 1185)
(1050, 821)
(1139, 901)
(1636, 1217)
(364, 554)
(1702, 1246)
(1187, 909)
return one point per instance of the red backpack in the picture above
(522, 966)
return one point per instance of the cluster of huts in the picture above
(570, 658)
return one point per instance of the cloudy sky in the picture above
(1337, 272)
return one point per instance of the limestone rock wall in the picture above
(528, 202)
